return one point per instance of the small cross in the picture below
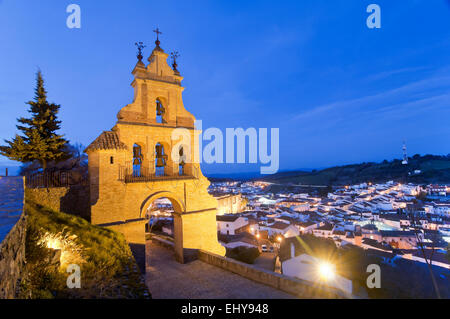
(157, 33)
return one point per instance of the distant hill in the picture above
(245, 176)
(433, 169)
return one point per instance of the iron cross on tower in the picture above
(157, 35)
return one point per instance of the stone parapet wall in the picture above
(47, 197)
(12, 235)
(12, 260)
(72, 200)
(294, 286)
(163, 242)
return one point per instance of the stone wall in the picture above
(294, 286)
(12, 259)
(12, 235)
(70, 200)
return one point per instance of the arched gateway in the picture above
(133, 164)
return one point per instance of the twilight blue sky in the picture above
(339, 92)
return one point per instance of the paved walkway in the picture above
(167, 278)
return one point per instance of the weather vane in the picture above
(157, 35)
(140, 46)
(174, 55)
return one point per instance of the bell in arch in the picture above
(182, 154)
(136, 151)
(160, 156)
(159, 108)
(136, 161)
(160, 162)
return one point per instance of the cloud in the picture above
(387, 74)
(410, 94)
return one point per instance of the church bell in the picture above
(160, 162)
(159, 108)
(137, 155)
(160, 157)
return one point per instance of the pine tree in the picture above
(39, 141)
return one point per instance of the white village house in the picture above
(231, 224)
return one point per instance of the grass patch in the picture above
(108, 269)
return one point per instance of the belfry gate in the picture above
(139, 161)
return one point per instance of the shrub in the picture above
(244, 254)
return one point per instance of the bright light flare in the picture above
(326, 271)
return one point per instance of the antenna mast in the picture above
(405, 156)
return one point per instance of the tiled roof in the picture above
(279, 225)
(227, 218)
(108, 140)
(397, 233)
(326, 227)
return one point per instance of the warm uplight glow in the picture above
(279, 238)
(258, 235)
(53, 243)
(326, 271)
(71, 252)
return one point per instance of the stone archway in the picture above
(177, 204)
(179, 208)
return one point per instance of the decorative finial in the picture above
(174, 55)
(157, 36)
(140, 46)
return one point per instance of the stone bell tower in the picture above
(142, 159)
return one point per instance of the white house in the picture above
(280, 228)
(308, 268)
(168, 229)
(307, 227)
(242, 239)
(301, 207)
(323, 231)
(231, 224)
